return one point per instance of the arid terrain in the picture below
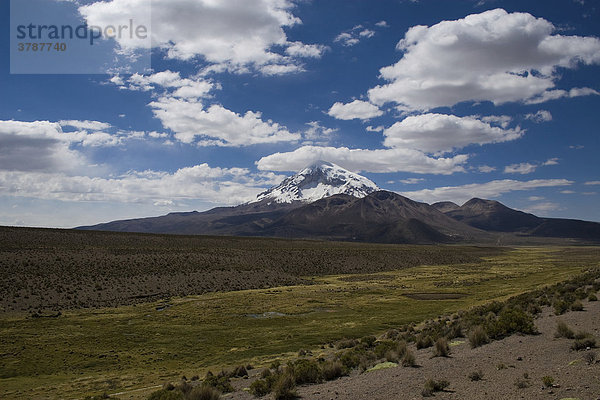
(95, 313)
(53, 270)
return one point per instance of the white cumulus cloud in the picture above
(357, 109)
(540, 116)
(493, 56)
(487, 190)
(199, 183)
(521, 168)
(439, 133)
(217, 125)
(383, 160)
(227, 34)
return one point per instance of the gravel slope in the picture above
(537, 356)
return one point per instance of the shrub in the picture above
(384, 347)
(284, 388)
(357, 357)
(560, 307)
(441, 348)
(476, 376)
(392, 334)
(456, 331)
(409, 359)
(185, 387)
(577, 306)
(368, 340)
(332, 370)
(521, 384)
(350, 359)
(548, 381)
(392, 356)
(305, 371)
(204, 393)
(424, 341)
(260, 388)
(166, 395)
(592, 297)
(584, 344)
(478, 337)
(589, 357)
(220, 382)
(346, 344)
(239, 372)
(563, 331)
(275, 365)
(432, 386)
(509, 321)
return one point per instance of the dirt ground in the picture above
(503, 363)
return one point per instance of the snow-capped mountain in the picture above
(319, 180)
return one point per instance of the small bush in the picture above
(168, 386)
(350, 359)
(368, 340)
(577, 306)
(561, 307)
(436, 386)
(409, 359)
(583, 343)
(220, 382)
(166, 395)
(239, 372)
(392, 334)
(521, 384)
(392, 356)
(476, 376)
(548, 381)
(185, 387)
(260, 388)
(332, 370)
(204, 393)
(424, 341)
(563, 331)
(305, 371)
(275, 365)
(441, 348)
(589, 357)
(478, 337)
(346, 344)
(384, 347)
(509, 321)
(284, 388)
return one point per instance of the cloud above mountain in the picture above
(233, 35)
(493, 56)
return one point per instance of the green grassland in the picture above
(118, 349)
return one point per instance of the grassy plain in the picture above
(120, 349)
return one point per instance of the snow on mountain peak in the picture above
(319, 180)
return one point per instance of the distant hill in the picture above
(325, 201)
(493, 216)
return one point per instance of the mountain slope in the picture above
(379, 217)
(319, 180)
(493, 216)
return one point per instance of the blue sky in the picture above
(436, 100)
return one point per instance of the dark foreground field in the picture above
(86, 312)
